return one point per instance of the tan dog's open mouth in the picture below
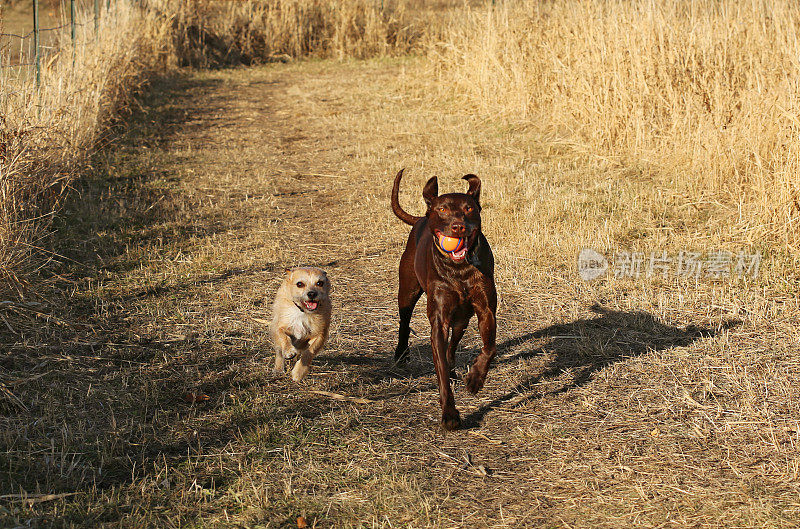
(310, 305)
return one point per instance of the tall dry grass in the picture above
(254, 31)
(703, 92)
(47, 130)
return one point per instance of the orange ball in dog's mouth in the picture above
(454, 246)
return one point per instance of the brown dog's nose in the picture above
(458, 228)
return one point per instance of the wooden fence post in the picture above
(72, 27)
(36, 42)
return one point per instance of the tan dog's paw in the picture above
(299, 371)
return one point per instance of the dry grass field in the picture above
(618, 403)
(137, 388)
(48, 130)
(704, 93)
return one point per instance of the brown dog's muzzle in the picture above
(458, 229)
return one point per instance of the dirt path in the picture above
(228, 177)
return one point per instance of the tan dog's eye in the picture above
(300, 284)
(320, 283)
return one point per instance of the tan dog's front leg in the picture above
(303, 364)
(282, 345)
(280, 363)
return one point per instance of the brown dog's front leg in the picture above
(451, 419)
(458, 332)
(487, 324)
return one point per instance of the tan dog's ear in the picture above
(430, 191)
(474, 186)
(288, 270)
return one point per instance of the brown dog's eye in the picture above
(320, 283)
(468, 209)
(300, 284)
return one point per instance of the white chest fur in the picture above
(298, 322)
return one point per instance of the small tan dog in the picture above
(301, 315)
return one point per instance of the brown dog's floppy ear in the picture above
(474, 186)
(431, 190)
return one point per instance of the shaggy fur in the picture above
(301, 315)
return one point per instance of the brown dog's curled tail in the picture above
(406, 217)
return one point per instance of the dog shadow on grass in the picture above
(372, 370)
(585, 346)
(581, 348)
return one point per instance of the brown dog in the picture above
(458, 283)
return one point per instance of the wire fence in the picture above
(34, 56)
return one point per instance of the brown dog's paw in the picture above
(451, 420)
(474, 381)
(400, 362)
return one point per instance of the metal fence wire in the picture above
(36, 32)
